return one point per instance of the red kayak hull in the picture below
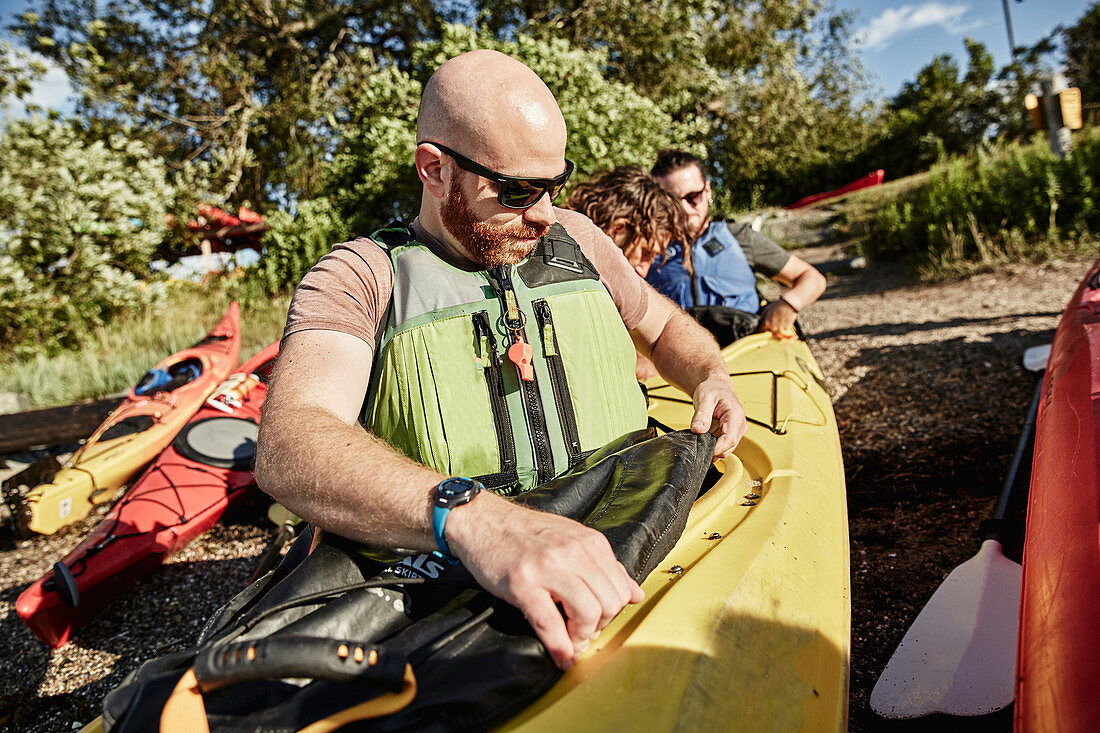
(873, 178)
(1058, 657)
(178, 498)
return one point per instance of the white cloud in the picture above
(51, 91)
(896, 22)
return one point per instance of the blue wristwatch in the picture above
(451, 493)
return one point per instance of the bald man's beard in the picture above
(488, 245)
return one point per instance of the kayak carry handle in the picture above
(65, 585)
(299, 656)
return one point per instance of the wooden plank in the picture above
(53, 425)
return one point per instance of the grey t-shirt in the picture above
(764, 255)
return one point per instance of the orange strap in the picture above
(184, 711)
(376, 708)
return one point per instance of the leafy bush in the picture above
(79, 222)
(292, 246)
(1018, 202)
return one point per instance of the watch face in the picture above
(456, 491)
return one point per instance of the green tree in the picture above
(79, 223)
(776, 84)
(17, 72)
(1082, 46)
(610, 123)
(258, 90)
(243, 85)
(941, 112)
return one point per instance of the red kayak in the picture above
(874, 178)
(207, 467)
(1058, 662)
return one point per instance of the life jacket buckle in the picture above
(561, 253)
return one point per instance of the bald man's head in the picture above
(492, 108)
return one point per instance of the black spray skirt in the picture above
(335, 626)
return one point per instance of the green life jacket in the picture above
(444, 391)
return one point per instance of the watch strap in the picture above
(439, 523)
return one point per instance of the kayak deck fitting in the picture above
(748, 619)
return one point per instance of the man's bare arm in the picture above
(687, 355)
(315, 459)
(321, 464)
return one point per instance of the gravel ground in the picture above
(930, 397)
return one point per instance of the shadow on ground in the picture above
(920, 486)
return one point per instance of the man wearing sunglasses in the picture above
(719, 268)
(435, 305)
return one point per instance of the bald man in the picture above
(467, 316)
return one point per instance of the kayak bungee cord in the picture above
(773, 427)
(174, 487)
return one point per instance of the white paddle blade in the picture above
(959, 656)
(1036, 358)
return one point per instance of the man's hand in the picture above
(536, 561)
(778, 317)
(718, 410)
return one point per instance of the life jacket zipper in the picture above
(494, 381)
(558, 381)
(514, 320)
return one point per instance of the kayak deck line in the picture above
(775, 424)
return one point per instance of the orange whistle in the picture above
(519, 354)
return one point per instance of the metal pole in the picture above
(1011, 36)
(1052, 116)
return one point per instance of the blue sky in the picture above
(898, 37)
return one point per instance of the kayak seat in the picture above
(475, 660)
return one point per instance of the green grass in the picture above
(1013, 203)
(112, 358)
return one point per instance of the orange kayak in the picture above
(136, 432)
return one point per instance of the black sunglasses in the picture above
(514, 192)
(694, 197)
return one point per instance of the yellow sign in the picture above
(1069, 100)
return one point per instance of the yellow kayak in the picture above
(746, 623)
(136, 432)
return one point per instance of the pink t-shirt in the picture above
(349, 289)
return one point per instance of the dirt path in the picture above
(930, 396)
